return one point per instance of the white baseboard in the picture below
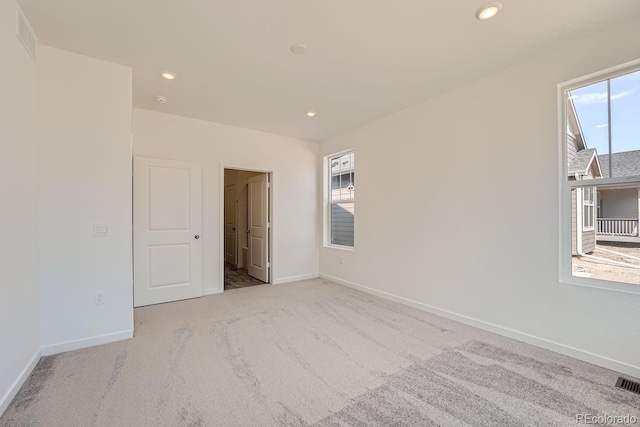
(290, 279)
(15, 387)
(576, 353)
(48, 350)
(211, 291)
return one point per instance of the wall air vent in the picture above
(26, 35)
(626, 384)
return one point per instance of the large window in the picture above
(342, 199)
(601, 180)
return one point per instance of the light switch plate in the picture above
(100, 230)
(99, 297)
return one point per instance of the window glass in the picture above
(342, 223)
(602, 141)
(341, 199)
(590, 103)
(625, 114)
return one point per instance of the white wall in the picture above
(294, 166)
(85, 179)
(457, 208)
(19, 304)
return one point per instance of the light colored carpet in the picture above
(311, 353)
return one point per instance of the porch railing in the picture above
(618, 226)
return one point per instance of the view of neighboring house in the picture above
(583, 163)
(618, 208)
(599, 214)
(342, 195)
(602, 144)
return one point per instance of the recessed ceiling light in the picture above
(161, 99)
(488, 11)
(298, 48)
(311, 113)
(168, 75)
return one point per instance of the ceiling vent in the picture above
(26, 35)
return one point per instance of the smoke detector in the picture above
(161, 99)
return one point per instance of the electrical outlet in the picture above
(99, 297)
(339, 260)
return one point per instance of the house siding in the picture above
(588, 241)
(342, 224)
(572, 148)
(619, 203)
(588, 236)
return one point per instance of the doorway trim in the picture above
(231, 187)
(272, 212)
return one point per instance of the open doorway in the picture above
(246, 224)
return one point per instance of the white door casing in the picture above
(167, 223)
(230, 225)
(258, 227)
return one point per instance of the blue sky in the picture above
(591, 107)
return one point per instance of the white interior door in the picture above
(167, 219)
(230, 239)
(258, 222)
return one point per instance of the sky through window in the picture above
(591, 104)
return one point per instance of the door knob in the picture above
(197, 236)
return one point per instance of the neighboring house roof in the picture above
(626, 163)
(345, 167)
(582, 161)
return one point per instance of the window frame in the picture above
(565, 186)
(327, 181)
(590, 205)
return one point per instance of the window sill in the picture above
(628, 288)
(340, 247)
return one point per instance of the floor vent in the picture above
(626, 384)
(26, 35)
